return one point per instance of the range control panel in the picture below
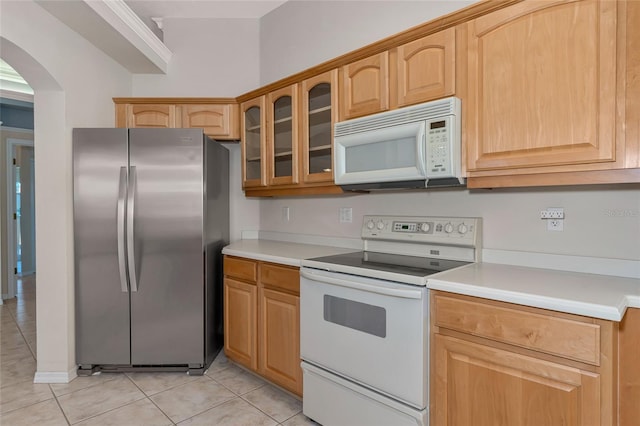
(463, 231)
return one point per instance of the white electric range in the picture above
(364, 320)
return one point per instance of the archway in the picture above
(54, 300)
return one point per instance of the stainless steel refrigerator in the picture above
(151, 215)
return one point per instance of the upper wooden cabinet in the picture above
(425, 69)
(418, 71)
(217, 120)
(287, 139)
(254, 143)
(218, 117)
(150, 115)
(542, 88)
(319, 114)
(282, 137)
(364, 86)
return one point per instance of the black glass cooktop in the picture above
(399, 264)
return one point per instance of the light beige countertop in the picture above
(598, 296)
(592, 295)
(282, 252)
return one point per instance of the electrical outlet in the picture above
(346, 215)
(555, 225)
(286, 214)
(552, 213)
(554, 217)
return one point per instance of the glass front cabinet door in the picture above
(319, 112)
(253, 143)
(282, 142)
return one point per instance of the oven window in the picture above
(358, 316)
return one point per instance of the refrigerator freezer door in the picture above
(167, 310)
(102, 299)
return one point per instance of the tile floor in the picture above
(225, 395)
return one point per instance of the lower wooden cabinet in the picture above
(488, 370)
(240, 334)
(484, 386)
(279, 339)
(262, 319)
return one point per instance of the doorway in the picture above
(20, 211)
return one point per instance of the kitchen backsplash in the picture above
(599, 222)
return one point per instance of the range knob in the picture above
(371, 225)
(424, 227)
(448, 228)
(380, 225)
(462, 228)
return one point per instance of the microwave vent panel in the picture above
(425, 111)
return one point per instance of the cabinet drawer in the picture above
(563, 337)
(243, 269)
(280, 277)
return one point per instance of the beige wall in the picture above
(301, 34)
(4, 135)
(211, 58)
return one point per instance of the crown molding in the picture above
(12, 85)
(122, 18)
(113, 27)
(16, 96)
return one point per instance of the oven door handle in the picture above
(386, 291)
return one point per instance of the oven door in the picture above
(370, 331)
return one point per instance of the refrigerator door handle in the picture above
(120, 218)
(131, 254)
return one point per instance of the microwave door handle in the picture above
(422, 150)
(386, 291)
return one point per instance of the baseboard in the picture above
(55, 376)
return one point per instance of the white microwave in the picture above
(412, 147)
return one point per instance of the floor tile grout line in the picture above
(161, 410)
(109, 411)
(81, 389)
(259, 409)
(264, 384)
(59, 406)
(213, 406)
(289, 418)
(235, 393)
(235, 396)
(20, 328)
(209, 409)
(25, 406)
(151, 400)
(177, 386)
(159, 392)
